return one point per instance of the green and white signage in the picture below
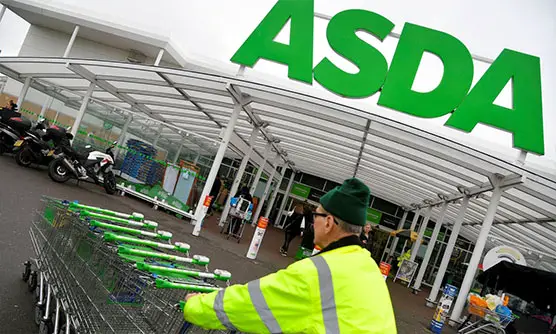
(373, 216)
(467, 106)
(300, 190)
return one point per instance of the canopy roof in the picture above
(400, 163)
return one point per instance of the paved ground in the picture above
(20, 193)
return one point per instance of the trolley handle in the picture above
(162, 235)
(220, 275)
(164, 284)
(139, 217)
(178, 246)
(130, 250)
(147, 224)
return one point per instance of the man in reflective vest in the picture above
(340, 290)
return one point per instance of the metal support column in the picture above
(239, 176)
(122, 136)
(477, 252)
(395, 241)
(448, 252)
(200, 210)
(422, 229)
(265, 193)
(2, 12)
(261, 168)
(284, 200)
(430, 247)
(71, 41)
(176, 158)
(46, 105)
(82, 109)
(197, 158)
(159, 57)
(23, 92)
(275, 192)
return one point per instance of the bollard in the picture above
(257, 238)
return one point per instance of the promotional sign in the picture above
(373, 216)
(385, 269)
(503, 253)
(300, 190)
(257, 238)
(406, 271)
(442, 310)
(454, 96)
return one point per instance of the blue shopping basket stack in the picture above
(138, 162)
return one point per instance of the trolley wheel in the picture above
(63, 330)
(46, 327)
(32, 282)
(39, 313)
(26, 272)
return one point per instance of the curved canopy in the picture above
(400, 163)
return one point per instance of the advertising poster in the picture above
(406, 271)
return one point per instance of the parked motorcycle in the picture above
(94, 167)
(34, 147)
(12, 128)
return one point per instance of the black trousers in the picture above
(288, 237)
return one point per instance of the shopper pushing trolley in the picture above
(320, 294)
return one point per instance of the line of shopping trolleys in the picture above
(101, 271)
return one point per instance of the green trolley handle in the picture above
(196, 259)
(146, 224)
(220, 275)
(134, 216)
(164, 284)
(178, 246)
(162, 235)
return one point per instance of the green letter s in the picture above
(298, 55)
(342, 38)
(525, 119)
(456, 80)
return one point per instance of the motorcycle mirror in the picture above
(88, 146)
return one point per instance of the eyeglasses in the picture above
(318, 214)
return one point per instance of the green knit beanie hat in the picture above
(348, 202)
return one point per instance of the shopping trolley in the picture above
(483, 319)
(240, 213)
(86, 285)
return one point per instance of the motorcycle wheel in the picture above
(24, 157)
(58, 172)
(110, 183)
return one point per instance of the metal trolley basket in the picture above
(84, 283)
(483, 319)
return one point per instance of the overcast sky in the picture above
(212, 30)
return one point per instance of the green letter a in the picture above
(524, 120)
(298, 55)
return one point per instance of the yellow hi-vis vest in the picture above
(339, 291)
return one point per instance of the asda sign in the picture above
(454, 95)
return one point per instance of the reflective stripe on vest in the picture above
(327, 300)
(261, 306)
(220, 313)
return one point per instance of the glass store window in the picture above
(384, 206)
(313, 181)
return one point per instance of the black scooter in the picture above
(34, 147)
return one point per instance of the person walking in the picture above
(292, 228)
(366, 236)
(214, 191)
(320, 294)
